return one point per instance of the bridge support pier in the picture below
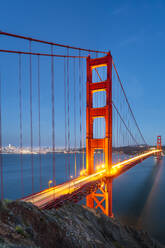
(108, 200)
(103, 199)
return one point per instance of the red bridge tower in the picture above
(93, 200)
(159, 146)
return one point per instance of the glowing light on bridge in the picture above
(115, 168)
(82, 172)
(42, 198)
(118, 166)
(50, 182)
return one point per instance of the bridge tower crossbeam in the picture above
(92, 144)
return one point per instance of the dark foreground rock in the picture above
(24, 225)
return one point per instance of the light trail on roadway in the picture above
(44, 197)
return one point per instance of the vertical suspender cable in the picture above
(103, 119)
(65, 116)
(75, 131)
(39, 123)
(80, 107)
(118, 131)
(1, 159)
(129, 140)
(20, 122)
(117, 117)
(31, 119)
(53, 114)
(68, 91)
(113, 123)
(104, 125)
(82, 112)
(97, 79)
(123, 105)
(126, 134)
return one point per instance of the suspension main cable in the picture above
(124, 123)
(47, 42)
(120, 115)
(128, 103)
(42, 54)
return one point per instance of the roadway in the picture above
(83, 185)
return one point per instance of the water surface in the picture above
(138, 195)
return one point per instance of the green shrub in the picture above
(117, 245)
(20, 230)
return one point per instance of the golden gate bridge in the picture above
(98, 122)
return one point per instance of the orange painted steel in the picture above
(159, 146)
(105, 144)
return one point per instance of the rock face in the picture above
(24, 225)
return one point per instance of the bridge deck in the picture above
(79, 187)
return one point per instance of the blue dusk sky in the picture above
(134, 32)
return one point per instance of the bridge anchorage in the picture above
(93, 200)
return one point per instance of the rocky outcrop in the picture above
(24, 225)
